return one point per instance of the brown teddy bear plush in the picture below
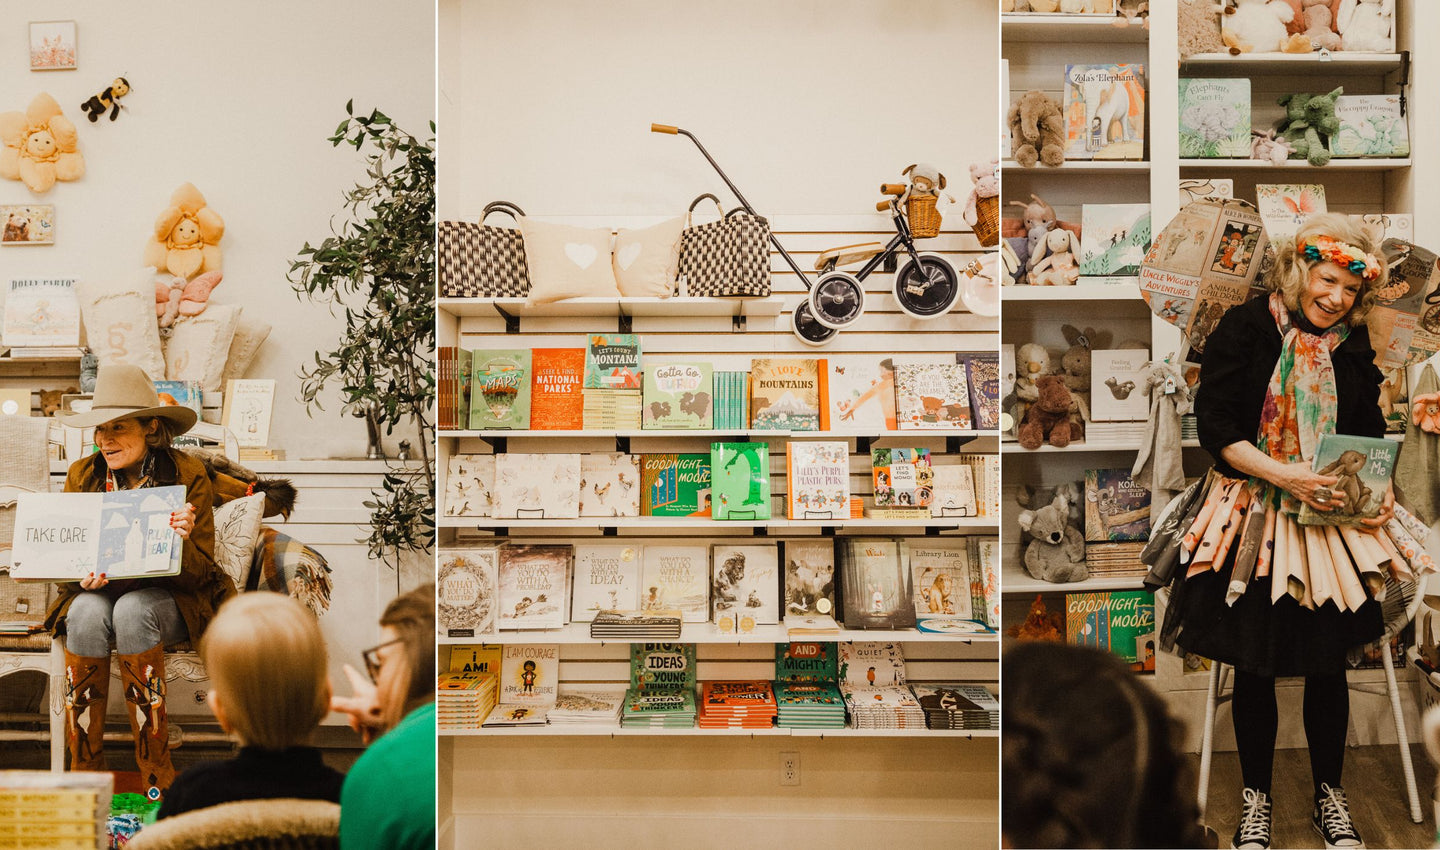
(1037, 130)
(1048, 419)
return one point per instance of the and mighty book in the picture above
(500, 390)
(740, 480)
(788, 394)
(1117, 507)
(817, 480)
(675, 485)
(1364, 466)
(678, 396)
(612, 362)
(556, 403)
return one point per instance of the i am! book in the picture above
(1363, 466)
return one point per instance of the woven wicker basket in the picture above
(924, 217)
(987, 221)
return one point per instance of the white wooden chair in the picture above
(1402, 601)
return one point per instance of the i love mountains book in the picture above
(788, 394)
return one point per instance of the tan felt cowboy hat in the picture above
(123, 391)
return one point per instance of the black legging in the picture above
(1327, 715)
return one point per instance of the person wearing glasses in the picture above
(388, 799)
(269, 688)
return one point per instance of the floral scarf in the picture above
(1300, 403)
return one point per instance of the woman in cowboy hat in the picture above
(133, 432)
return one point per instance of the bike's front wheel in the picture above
(809, 331)
(927, 286)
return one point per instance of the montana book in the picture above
(467, 591)
(740, 481)
(676, 577)
(612, 362)
(817, 480)
(1364, 466)
(556, 402)
(675, 485)
(788, 394)
(534, 586)
(876, 584)
(678, 396)
(500, 390)
(931, 395)
(1104, 110)
(1122, 621)
(1117, 507)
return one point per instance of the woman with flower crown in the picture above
(1255, 589)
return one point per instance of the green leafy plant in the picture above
(376, 269)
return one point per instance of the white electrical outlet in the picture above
(789, 768)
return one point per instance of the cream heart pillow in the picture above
(567, 262)
(647, 261)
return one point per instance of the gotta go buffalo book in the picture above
(678, 396)
(1363, 466)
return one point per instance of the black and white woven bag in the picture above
(480, 261)
(729, 257)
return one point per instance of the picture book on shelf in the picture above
(862, 395)
(1122, 621)
(676, 577)
(1117, 507)
(664, 667)
(607, 578)
(1370, 125)
(1285, 206)
(876, 585)
(1195, 188)
(529, 673)
(810, 576)
(462, 376)
(182, 393)
(953, 493)
(536, 486)
(902, 477)
(985, 579)
(678, 396)
(740, 481)
(817, 480)
(612, 362)
(500, 389)
(732, 399)
(675, 485)
(534, 586)
(468, 479)
(1215, 118)
(982, 375)
(1114, 240)
(246, 411)
(940, 574)
(1117, 385)
(466, 591)
(556, 402)
(931, 395)
(1382, 226)
(609, 484)
(481, 658)
(745, 582)
(1105, 111)
(42, 312)
(871, 664)
(806, 662)
(788, 394)
(1364, 466)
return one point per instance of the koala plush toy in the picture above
(1056, 551)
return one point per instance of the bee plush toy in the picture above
(110, 97)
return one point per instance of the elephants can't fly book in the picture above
(1363, 466)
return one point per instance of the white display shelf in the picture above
(700, 524)
(1080, 166)
(1014, 581)
(1036, 26)
(709, 633)
(1078, 292)
(1315, 64)
(615, 731)
(604, 307)
(1376, 164)
(711, 433)
(1011, 448)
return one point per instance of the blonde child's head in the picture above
(267, 666)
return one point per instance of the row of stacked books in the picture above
(1216, 116)
(607, 386)
(731, 482)
(1117, 523)
(628, 590)
(662, 687)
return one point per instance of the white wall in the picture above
(237, 98)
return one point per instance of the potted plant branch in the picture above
(377, 270)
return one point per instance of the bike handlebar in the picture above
(664, 128)
(896, 189)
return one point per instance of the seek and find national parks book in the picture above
(788, 394)
(902, 478)
(1122, 621)
(612, 362)
(817, 480)
(1364, 466)
(534, 588)
(676, 578)
(466, 591)
(500, 390)
(1104, 109)
(678, 396)
(931, 395)
(675, 485)
(1117, 507)
(740, 481)
(1370, 125)
(1215, 118)
(1114, 242)
(556, 403)
(607, 578)
(746, 583)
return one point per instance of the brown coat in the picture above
(201, 585)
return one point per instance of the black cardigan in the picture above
(1235, 371)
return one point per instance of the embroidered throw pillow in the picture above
(237, 527)
(199, 346)
(120, 321)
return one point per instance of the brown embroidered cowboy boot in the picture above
(87, 685)
(143, 675)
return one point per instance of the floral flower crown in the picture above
(1343, 254)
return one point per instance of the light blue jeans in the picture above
(135, 622)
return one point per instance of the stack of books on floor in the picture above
(611, 410)
(43, 809)
(662, 687)
(809, 705)
(636, 625)
(587, 706)
(958, 706)
(462, 700)
(737, 705)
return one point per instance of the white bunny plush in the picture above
(1256, 26)
(1365, 24)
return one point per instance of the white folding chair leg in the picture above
(1401, 736)
(1207, 735)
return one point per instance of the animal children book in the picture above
(1364, 466)
(679, 396)
(1105, 111)
(788, 394)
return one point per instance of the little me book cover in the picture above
(1364, 466)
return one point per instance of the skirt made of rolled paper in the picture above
(1251, 587)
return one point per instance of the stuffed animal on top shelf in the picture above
(40, 146)
(1199, 27)
(1037, 130)
(186, 240)
(107, 99)
(1256, 26)
(1132, 11)
(1309, 123)
(1366, 24)
(1315, 15)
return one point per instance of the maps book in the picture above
(1122, 621)
(675, 485)
(817, 480)
(740, 480)
(788, 394)
(745, 583)
(678, 396)
(556, 403)
(607, 577)
(124, 534)
(809, 576)
(1117, 507)
(612, 362)
(1364, 466)
(534, 586)
(466, 591)
(875, 584)
(500, 390)
(676, 577)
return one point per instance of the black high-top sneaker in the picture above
(1331, 818)
(1254, 830)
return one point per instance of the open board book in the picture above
(124, 534)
